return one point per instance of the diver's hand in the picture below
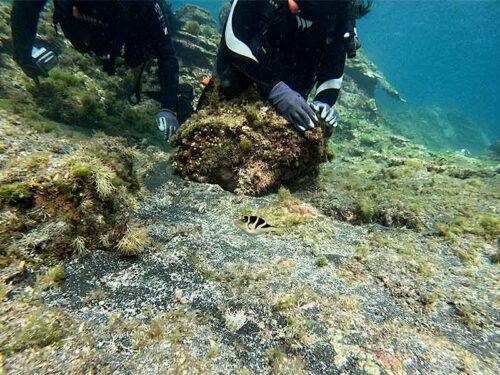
(38, 64)
(291, 105)
(33, 70)
(327, 113)
(167, 122)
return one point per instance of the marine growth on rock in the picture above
(246, 149)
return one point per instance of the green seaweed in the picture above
(15, 193)
(490, 225)
(81, 171)
(192, 27)
(246, 145)
(51, 278)
(41, 328)
(321, 262)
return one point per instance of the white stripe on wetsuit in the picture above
(232, 42)
(335, 83)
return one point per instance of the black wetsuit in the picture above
(134, 30)
(264, 42)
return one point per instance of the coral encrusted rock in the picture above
(246, 148)
(368, 76)
(197, 39)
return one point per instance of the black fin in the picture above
(260, 221)
(264, 225)
(253, 222)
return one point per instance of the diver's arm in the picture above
(168, 66)
(24, 23)
(243, 38)
(331, 72)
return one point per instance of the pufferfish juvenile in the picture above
(255, 225)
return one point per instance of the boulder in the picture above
(197, 38)
(246, 148)
(367, 76)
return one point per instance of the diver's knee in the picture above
(226, 85)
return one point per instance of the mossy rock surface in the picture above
(246, 149)
(57, 203)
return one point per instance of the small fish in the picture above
(255, 224)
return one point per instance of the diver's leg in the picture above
(230, 81)
(185, 96)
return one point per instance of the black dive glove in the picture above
(166, 120)
(292, 106)
(33, 71)
(39, 63)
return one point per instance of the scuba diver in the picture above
(286, 47)
(134, 30)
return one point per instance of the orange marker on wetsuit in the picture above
(293, 6)
(206, 80)
(76, 13)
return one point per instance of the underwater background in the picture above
(250, 248)
(440, 53)
(435, 52)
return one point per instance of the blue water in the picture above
(442, 52)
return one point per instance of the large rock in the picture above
(194, 13)
(367, 76)
(4, 27)
(197, 39)
(246, 149)
(438, 128)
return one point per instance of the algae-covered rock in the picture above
(224, 13)
(247, 149)
(494, 150)
(4, 27)
(190, 12)
(438, 128)
(367, 76)
(197, 39)
(65, 198)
